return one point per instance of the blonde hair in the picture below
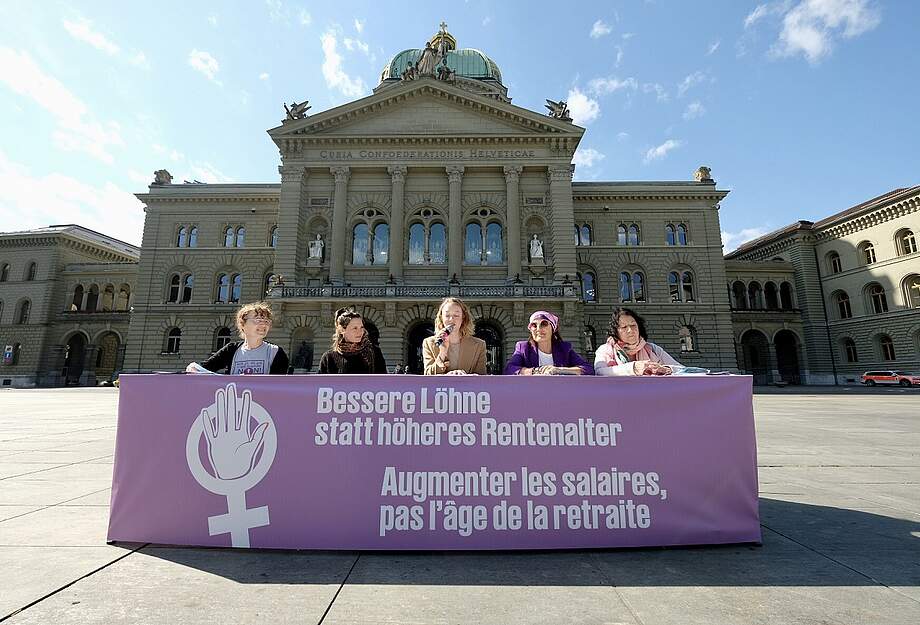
(466, 327)
(259, 309)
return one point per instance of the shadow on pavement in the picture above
(804, 545)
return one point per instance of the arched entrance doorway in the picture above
(417, 333)
(107, 356)
(755, 356)
(74, 357)
(787, 356)
(491, 333)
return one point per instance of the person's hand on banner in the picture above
(232, 448)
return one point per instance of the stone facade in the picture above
(65, 296)
(856, 278)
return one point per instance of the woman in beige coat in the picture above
(459, 352)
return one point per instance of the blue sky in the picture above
(801, 107)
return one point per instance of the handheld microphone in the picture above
(444, 334)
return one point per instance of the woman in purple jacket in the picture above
(545, 353)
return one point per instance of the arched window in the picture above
(472, 254)
(360, 244)
(229, 237)
(273, 237)
(590, 339)
(437, 244)
(867, 252)
(843, 305)
(583, 235)
(193, 237)
(241, 236)
(687, 337)
(182, 238)
(682, 234)
(92, 300)
(670, 235)
(680, 286)
(30, 274)
(175, 282)
(223, 289)
(887, 346)
(381, 244)
(173, 341)
(588, 287)
(124, 298)
(187, 283)
(236, 288)
(494, 246)
(911, 288)
(269, 282)
(108, 298)
(577, 235)
(222, 337)
(739, 296)
(632, 286)
(427, 242)
(417, 244)
(24, 309)
(633, 235)
(906, 242)
(77, 302)
(755, 296)
(621, 234)
(849, 350)
(786, 301)
(771, 295)
(878, 299)
(834, 263)
(5, 272)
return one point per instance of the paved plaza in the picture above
(840, 509)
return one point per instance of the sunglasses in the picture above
(539, 324)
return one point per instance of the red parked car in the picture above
(871, 378)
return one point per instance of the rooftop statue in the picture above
(297, 111)
(703, 174)
(161, 176)
(559, 110)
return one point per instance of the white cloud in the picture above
(305, 18)
(731, 240)
(713, 47)
(204, 63)
(139, 59)
(661, 93)
(619, 55)
(622, 136)
(276, 10)
(212, 20)
(694, 109)
(264, 76)
(582, 108)
(690, 81)
(352, 44)
(659, 152)
(487, 20)
(33, 201)
(336, 77)
(600, 29)
(587, 157)
(628, 36)
(811, 26)
(759, 12)
(359, 25)
(139, 178)
(171, 153)
(76, 129)
(603, 86)
(81, 29)
(206, 172)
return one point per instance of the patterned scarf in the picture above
(624, 353)
(364, 347)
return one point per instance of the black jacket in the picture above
(354, 363)
(222, 360)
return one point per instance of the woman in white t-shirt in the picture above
(252, 355)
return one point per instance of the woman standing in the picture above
(545, 353)
(627, 352)
(253, 354)
(352, 350)
(453, 349)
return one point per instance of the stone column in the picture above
(512, 204)
(563, 221)
(339, 216)
(397, 219)
(455, 223)
(290, 247)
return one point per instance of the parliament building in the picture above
(434, 185)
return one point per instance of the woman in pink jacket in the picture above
(627, 352)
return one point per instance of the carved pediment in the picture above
(425, 107)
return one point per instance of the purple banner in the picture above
(448, 462)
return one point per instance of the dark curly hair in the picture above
(613, 328)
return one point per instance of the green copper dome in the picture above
(466, 62)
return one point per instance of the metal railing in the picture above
(422, 291)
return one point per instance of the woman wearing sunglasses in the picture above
(545, 353)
